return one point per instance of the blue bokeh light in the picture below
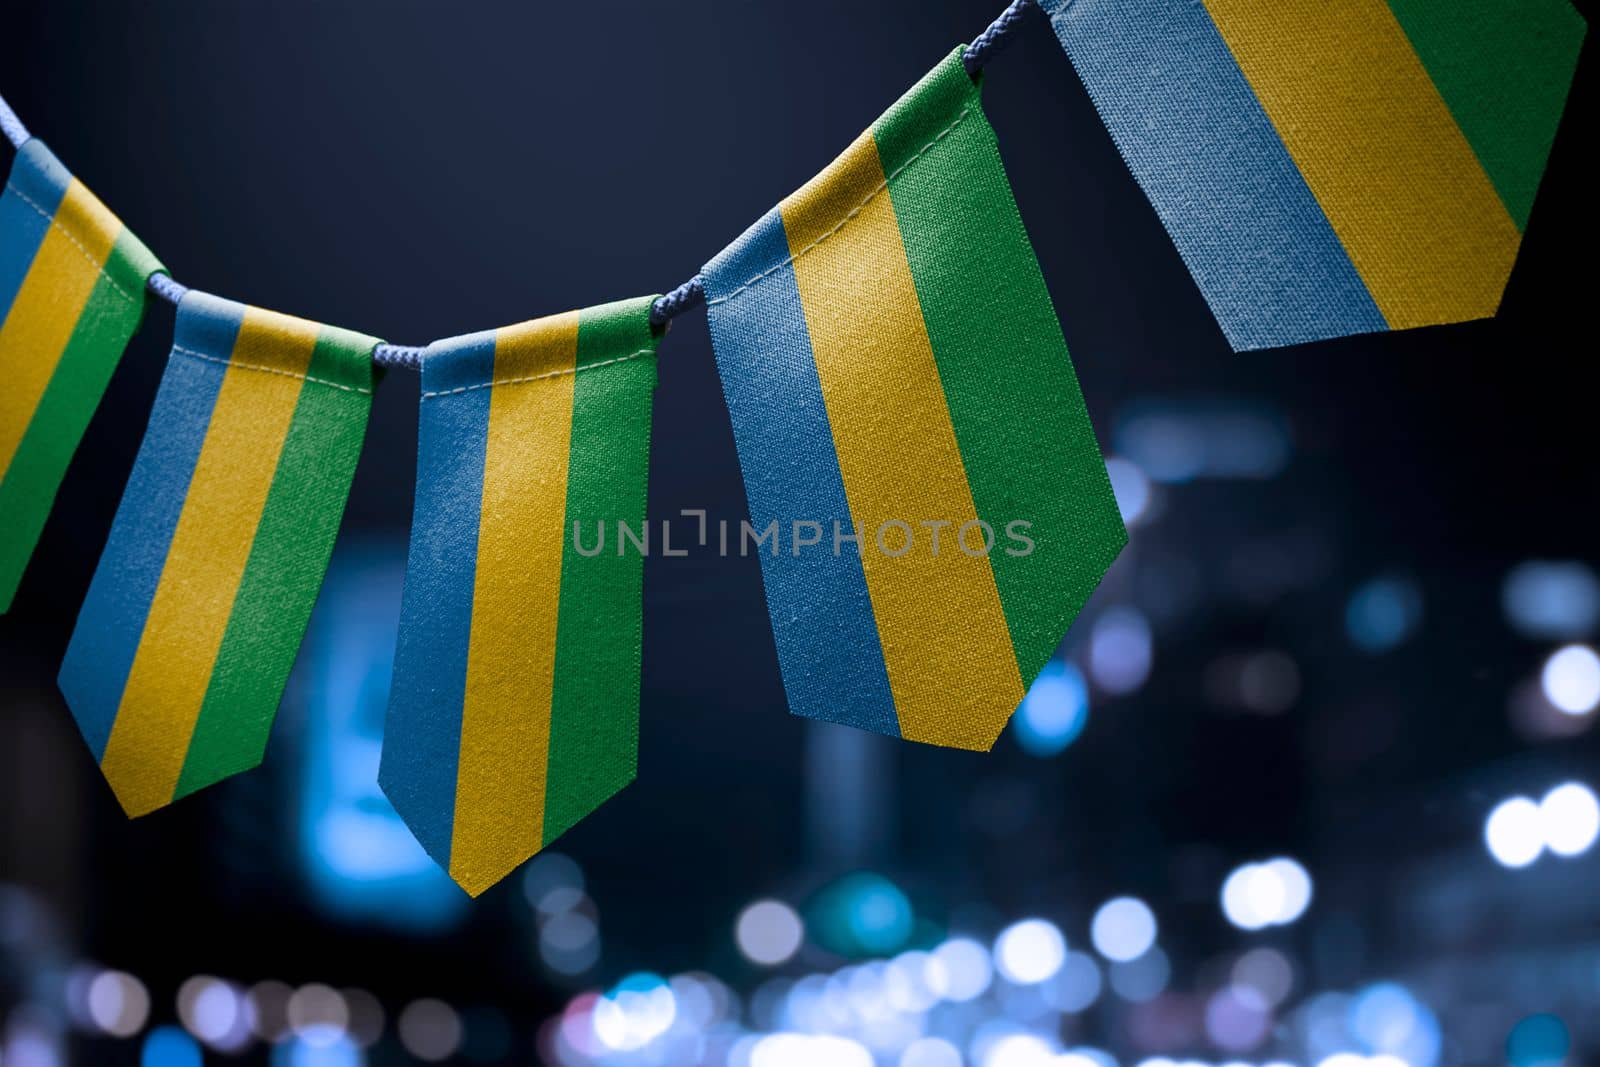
(341, 1052)
(1538, 1041)
(1551, 600)
(861, 915)
(1383, 613)
(1054, 712)
(1388, 1019)
(358, 857)
(1176, 442)
(168, 1046)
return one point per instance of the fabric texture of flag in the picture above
(195, 613)
(895, 373)
(71, 295)
(1331, 167)
(515, 706)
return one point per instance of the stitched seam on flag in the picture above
(849, 215)
(269, 370)
(51, 219)
(539, 377)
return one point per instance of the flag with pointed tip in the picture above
(1332, 167)
(909, 425)
(515, 706)
(185, 640)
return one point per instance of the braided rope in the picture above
(678, 301)
(994, 38)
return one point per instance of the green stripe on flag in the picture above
(288, 558)
(108, 320)
(1503, 69)
(594, 704)
(1025, 438)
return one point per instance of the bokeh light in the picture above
(639, 1009)
(1552, 600)
(1514, 832)
(1030, 951)
(1123, 929)
(1571, 679)
(296, 1053)
(552, 873)
(964, 970)
(1018, 1050)
(804, 1050)
(1131, 487)
(1538, 1041)
(215, 1012)
(1389, 1020)
(1120, 650)
(861, 915)
(1383, 613)
(429, 1029)
(1237, 1018)
(366, 1017)
(118, 1003)
(1267, 971)
(169, 1046)
(769, 932)
(569, 942)
(318, 1014)
(1274, 893)
(1569, 817)
(1054, 711)
(269, 1009)
(930, 1052)
(1076, 986)
(1142, 979)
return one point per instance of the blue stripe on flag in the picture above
(827, 638)
(1209, 159)
(422, 737)
(111, 621)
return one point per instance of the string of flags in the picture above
(892, 364)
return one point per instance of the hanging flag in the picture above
(515, 707)
(71, 295)
(197, 608)
(914, 444)
(1331, 167)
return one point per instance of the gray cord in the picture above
(688, 295)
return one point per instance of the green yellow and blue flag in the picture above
(72, 293)
(515, 706)
(192, 621)
(1332, 167)
(909, 423)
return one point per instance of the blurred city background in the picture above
(1312, 781)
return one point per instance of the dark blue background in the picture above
(417, 170)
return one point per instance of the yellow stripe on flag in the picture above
(938, 617)
(46, 309)
(505, 718)
(1377, 145)
(210, 547)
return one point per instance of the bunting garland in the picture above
(72, 292)
(926, 495)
